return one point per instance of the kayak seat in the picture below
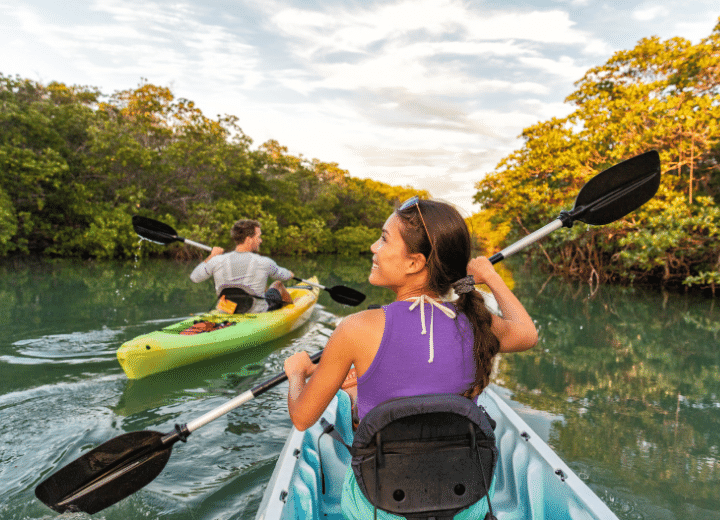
(425, 457)
(239, 296)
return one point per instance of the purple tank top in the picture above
(401, 367)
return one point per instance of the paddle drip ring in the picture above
(182, 432)
(566, 218)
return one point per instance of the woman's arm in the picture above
(307, 400)
(515, 330)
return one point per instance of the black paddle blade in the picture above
(154, 230)
(112, 471)
(617, 191)
(346, 295)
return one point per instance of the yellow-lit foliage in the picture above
(662, 95)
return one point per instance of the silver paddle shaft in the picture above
(526, 241)
(197, 244)
(220, 411)
(243, 398)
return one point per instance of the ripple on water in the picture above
(77, 347)
(46, 427)
(219, 474)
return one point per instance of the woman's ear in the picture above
(417, 263)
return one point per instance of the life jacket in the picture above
(423, 457)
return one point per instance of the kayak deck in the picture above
(172, 347)
(532, 482)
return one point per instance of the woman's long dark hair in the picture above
(447, 259)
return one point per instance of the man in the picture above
(246, 269)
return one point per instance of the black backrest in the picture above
(241, 297)
(425, 456)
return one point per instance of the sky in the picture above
(430, 94)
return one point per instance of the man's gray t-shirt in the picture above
(249, 271)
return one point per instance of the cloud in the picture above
(355, 29)
(695, 31)
(646, 12)
(416, 80)
(437, 46)
(134, 39)
(418, 71)
(563, 67)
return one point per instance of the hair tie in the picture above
(464, 285)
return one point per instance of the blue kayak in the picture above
(532, 482)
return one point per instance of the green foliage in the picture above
(669, 236)
(75, 168)
(351, 241)
(108, 235)
(8, 222)
(42, 133)
(662, 95)
(310, 238)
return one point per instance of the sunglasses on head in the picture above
(415, 201)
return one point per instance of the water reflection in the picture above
(635, 375)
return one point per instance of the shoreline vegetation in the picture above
(660, 95)
(76, 164)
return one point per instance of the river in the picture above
(624, 384)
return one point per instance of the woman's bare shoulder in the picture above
(363, 321)
(359, 335)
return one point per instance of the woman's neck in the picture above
(406, 293)
(413, 286)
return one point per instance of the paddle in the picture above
(160, 233)
(610, 195)
(339, 293)
(125, 464)
(121, 466)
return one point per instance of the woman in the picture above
(416, 345)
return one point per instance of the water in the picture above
(625, 386)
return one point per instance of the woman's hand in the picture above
(515, 330)
(299, 364)
(298, 368)
(482, 270)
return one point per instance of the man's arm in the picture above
(279, 273)
(205, 270)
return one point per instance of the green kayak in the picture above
(214, 334)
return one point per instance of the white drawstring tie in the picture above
(420, 300)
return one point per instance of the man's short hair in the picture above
(242, 229)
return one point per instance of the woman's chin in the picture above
(374, 279)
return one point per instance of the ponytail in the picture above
(485, 344)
